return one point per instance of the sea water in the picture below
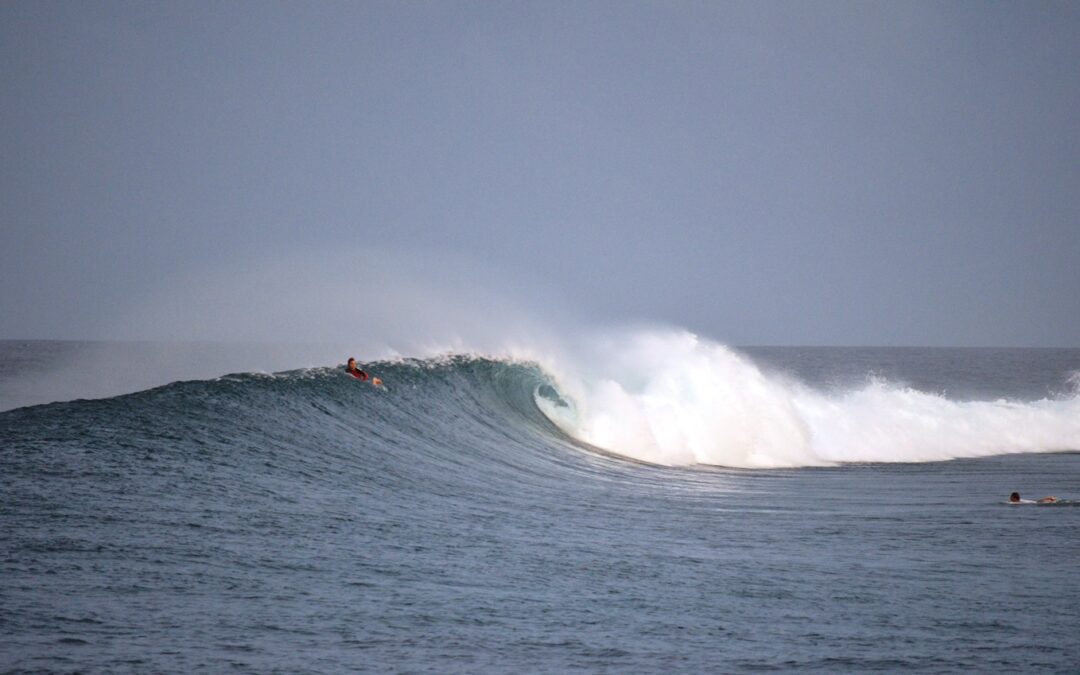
(479, 514)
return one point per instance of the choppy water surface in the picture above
(304, 521)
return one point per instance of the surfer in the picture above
(359, 374)
(351, 369)
(1014, 498)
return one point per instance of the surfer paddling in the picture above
(1014, 498)
(359, 374)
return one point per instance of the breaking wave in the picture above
(668, 398)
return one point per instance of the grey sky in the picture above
(764, 173)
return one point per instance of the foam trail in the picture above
(673, 398)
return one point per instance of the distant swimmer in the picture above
(359, 374)
(1014, 498)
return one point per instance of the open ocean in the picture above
(696, 508)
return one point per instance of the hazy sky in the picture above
(764, 173)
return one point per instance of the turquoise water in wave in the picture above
(303, 522)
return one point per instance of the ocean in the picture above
(662, 504)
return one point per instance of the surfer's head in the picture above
(351, 363)
(1014, 497)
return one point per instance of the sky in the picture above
(790, 173)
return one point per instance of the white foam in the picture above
(670, 397)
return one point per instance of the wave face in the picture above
(471, 424)
(447, 411)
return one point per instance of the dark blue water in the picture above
(304, 522)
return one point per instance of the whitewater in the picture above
(673, 398)
(644, 501)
